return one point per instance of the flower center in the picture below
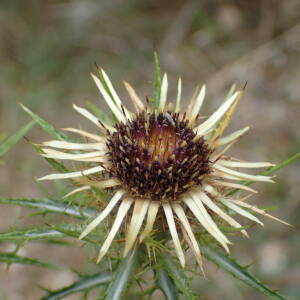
(158, 156)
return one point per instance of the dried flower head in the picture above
(166, 163)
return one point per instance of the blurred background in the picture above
(47, 50)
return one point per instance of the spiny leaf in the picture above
(74, 230)
(52, 131)
(47, 126)
(12, 140)
(229, 265)
(157, 82)
(12, 258)
(85, 283)
(166, 284)
(31, 234)
(177, 274)
(54, 163)
(59, 243)
(99, 113)
(47, 205)
(40, 233)
(282, 164)
(50, 233)
(121, 276)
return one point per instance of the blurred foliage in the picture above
(47, 50)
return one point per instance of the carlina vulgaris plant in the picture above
(165, 166)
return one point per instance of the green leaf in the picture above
(47, 205)
(99, 113)
(12, 258)
(31, 234)
(74, 230)
(166, 285)
(85, 283)
(50, 233)
(229, 265)
(47, 126)
(54, 163)
(176, 272)
(281, 165)
(157, 82)
(121, 276)
(12, 140)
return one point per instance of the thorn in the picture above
(147, 100)
(244, 87)
(108, 132)
(44, 289)
(26, 139)
(123, 111)
(97, 67)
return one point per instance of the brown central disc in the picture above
(157, 156)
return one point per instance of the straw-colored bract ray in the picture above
(178, 98)
(231, 137)
(73, 174)
(111, 204)
(224, 123)
(216, 116)
(163, 94)
(137, 218)
(173, 232)
(123, 209)
(198, 104)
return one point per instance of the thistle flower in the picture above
(165, 166)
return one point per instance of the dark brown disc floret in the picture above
(157, 156)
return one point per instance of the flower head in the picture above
(165, 167)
